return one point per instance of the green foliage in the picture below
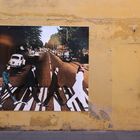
(24, 35)
(76, 38)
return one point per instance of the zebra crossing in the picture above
(6, 95)
(31, 105)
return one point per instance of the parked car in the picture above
(67, 57)
(17, 60)
(36, 54)
(31, 53)
(59, 54)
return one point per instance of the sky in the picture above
(47, 31)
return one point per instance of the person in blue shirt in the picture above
(6, 85)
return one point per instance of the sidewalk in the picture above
(69, 135)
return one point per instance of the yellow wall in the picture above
(114, 83)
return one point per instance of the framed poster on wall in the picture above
(44, 68)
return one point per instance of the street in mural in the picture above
(44, 68)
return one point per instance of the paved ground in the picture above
(69, 135)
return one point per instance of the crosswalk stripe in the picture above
(40, 96)
(6, 92)
(45, 96)
(84, 104)
(67, 96)
(29, 104)
(70, 106)
(70, 91)
(19, 105)
(5, 95)
(76, 104)
(56, 104)
(8, 95)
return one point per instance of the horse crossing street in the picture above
(66, 93)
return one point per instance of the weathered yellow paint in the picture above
(114, 62)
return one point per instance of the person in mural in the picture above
(54, 89)
(6, 85)
(78, 89)
(32, 86)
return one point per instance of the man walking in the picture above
(54, 89)
(6, 85)
(78, 89)
(32, 86)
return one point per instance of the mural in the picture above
(44, 68)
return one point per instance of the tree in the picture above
(24, 35)
(32, 36)
(74, 37)
(54, 41)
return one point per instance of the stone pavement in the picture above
(69, 135)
